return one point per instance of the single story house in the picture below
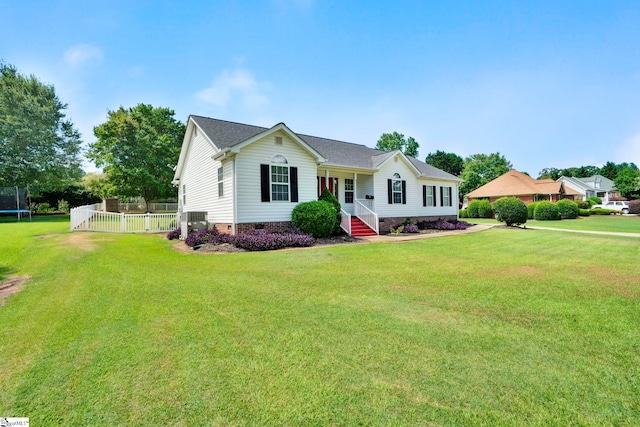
(593, 186)
(249, 177)
(522, 186)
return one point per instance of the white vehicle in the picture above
(614, 206)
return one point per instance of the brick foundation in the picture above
(224, 228)
(385, 224)
(269, 226)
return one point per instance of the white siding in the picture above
(382, 206)
(248, 161)
(438, 210)
(200, 176)
(413, 207)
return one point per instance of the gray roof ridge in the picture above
(228, 121)
(283, 123)
(301, 135)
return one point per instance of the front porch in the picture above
(355, 192)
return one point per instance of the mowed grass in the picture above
(502, 327)
(608, 223)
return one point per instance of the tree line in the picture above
(41, 149)
(138, 147)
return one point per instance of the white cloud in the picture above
(230, 85)
(82, 54)
(629, 151)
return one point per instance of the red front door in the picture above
(331, 184)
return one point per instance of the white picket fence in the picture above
(92, 218)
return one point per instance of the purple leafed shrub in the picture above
(411, 228)
(201, 237)
(174, 234)
(461, 225)
(262, 240)
(443, 225)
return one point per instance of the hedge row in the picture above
(513, 211)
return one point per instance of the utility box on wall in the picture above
(192, 221)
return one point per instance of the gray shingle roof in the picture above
(226, 134)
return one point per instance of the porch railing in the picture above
(345, 221)
(366, 215)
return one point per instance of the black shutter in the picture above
(450, 197)
(390, 191)
(264, 183)
(293, 176)
(424, 195)
(441, 198)
(404, 192)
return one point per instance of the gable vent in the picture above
(395, 159)
(278, 140)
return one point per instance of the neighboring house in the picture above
(248, 177)
(525, 188)
(593, 186)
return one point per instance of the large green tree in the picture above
(39, 147)
(138, 148)
(628, 182)
(550, 173)
(397, 141)
(448, 162)
(482, 168)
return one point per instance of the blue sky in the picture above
(545, 83)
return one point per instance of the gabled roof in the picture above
(602, 183)
(226, 135)
(593, 183)
(514, 183)
(575, 182)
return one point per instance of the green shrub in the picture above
(603, 212)
(510, 210)
(484, 209)
(63, 206)
(546, 211)
(583, 204)
(530, 208)
(472, 209)
(42, 208)
(328, 197)
(568, 209)
(316, 218)
(462, 213)
(479, 209)
(593, 200)
(584, 212)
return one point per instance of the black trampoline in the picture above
(14, 200)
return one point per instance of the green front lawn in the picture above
(502, 327)
(611, 223)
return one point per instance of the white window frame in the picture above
(349, 188)
(184, 194)
(221, 181)
(396, 189)
(446, 196)
(279, 179)
(431, 198)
